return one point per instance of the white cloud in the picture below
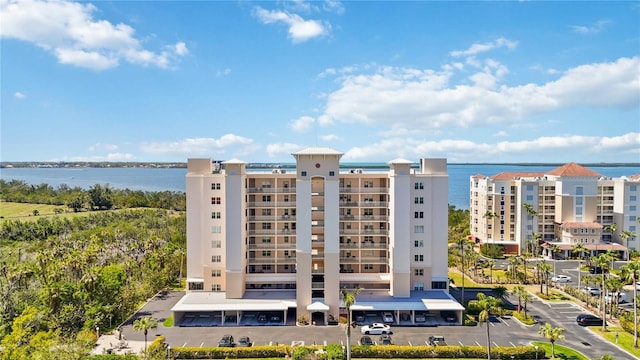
(562, 148)
(593, 29)
(302, 124)
(199, 146)
(501, 133)
(109, 157)
(478, 48)
(427, 100)
(224, 72)
(330, 138)
(19, 95)
(101, 146)
(300, 30)
(69, 31)
(282, 150)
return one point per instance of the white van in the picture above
(622, 297)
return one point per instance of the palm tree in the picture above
(614, 286)
(580, 250)
(349, 298)
(144, 324)
(525, 297)
(531, 211)
(602, 261)
(490, 264)
(553, 334)
(625, 235)
(517, 291)
(487, 304)
(631, 272)
(545, 269)
(513, 262)
(525, 257)
(462, 243)
(554, 248)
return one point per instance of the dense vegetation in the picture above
(99, 197)
(61, 277)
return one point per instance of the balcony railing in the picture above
(364, 231)
(270, 190)
(271, 204)
(363, 190)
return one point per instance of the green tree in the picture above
(532, 213)
(462, 244)
(602, 261)
(579, 250)
(545, 271)
(626, 235)
(553, 334)
(144, 324)
(631, 272)
(349, 298)
(487, 305)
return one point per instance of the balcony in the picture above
(364, 190)
(270, 190)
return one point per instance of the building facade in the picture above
(316, 229)
(531, 211)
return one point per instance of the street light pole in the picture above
(536, 352)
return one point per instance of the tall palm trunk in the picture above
(635, 311)
(488, 342)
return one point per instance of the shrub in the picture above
(334, 352)
(495, 251)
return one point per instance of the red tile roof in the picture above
(515, 174)
(573, 169)
(590, 225)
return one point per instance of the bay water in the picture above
(173, 179)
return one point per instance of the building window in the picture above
(418, 272)
(418, 200)
(418, 258)
(632, 218)
(216, 229)
(418, 186)
(529, 197)
(286, 240)
(438, 284)
(632, 188)
(216, 215)
(216, 273)
(216, 259)
(368, 266)
(266, 240)
(579, 190)
(418, 287)
(216, 244)
(529, 187)
(418, 243)
(266, 267)
(215, 201)
(332, 173)
(303, 173)
(216, 287)
(418, 215)
(266, 253)
(266, 198)
(266, 226)
(418, 229)
(632, 208)
(215, 186)
(632, 198)
(196, 286)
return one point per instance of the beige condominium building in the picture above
(532, 211)
(277, 245)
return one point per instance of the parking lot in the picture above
(505, 332)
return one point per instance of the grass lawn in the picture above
(562, 352)
(22, 211)
(457, 281)
(625, 340)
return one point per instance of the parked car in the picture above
(622, 297)
(376, 329)
(560, 279)
(588, 319)
(420, 317)
(437, 340)
(244, 341)
(591, 291)
(226, 341)
(366, 341)
(387, 317)
(275, 317)
(449, 316)
(638, 286)
(262, 318)
(385, 339)
(597, 270)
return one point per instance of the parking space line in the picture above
(459, 342)
(495, 344)
(505, 322)
(477, 343)
(512, 344)
(409, 343)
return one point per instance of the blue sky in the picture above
(163, 81)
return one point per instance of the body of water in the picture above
(173, 179)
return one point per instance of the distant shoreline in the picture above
(179, 165)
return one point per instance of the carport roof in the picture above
(210, 301)
(419, 300)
